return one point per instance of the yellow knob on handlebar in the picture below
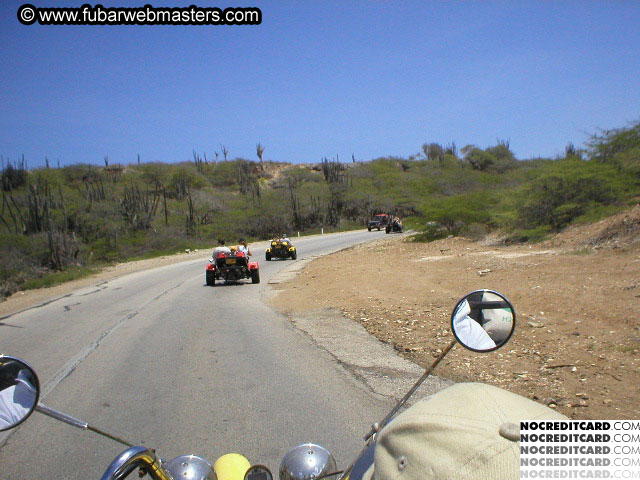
(231, 466)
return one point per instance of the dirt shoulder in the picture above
(577, 298)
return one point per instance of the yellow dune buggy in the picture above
(281, 248)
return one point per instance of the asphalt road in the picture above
(164, 361)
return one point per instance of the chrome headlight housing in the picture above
(307, 462)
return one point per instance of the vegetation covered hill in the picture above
(56, 223)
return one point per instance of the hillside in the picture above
(61, 223)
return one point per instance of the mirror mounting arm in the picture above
(75, 422)
(63, 417)
(376, 427)
(413, 389)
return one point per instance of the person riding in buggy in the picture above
(395, 226)
(281, 247)
(230, 265)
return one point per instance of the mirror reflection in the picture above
(19, 391)
(483, 320)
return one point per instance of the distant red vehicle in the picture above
(231, 268)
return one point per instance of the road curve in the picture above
(161, 360)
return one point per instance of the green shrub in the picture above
(605, 146)
(223, 174)
(54, 278)
(81, 172)
(629, 161)
(430, 232)
(183, 179)
(529, 235)
(568, 190)
(456, 212)
(153, 174)
(13, 176)
(480, 159)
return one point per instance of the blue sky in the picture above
(320, 79)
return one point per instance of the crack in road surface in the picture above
(39, 305)
(72, 364)
(68, 368)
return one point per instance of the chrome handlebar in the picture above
(136, 457)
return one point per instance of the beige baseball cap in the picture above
(467, 431)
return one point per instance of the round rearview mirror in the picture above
(483, 320)
(19, 391)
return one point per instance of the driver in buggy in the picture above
(221, 248)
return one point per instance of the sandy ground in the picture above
(577, 299)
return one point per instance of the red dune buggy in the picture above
(231, 268)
